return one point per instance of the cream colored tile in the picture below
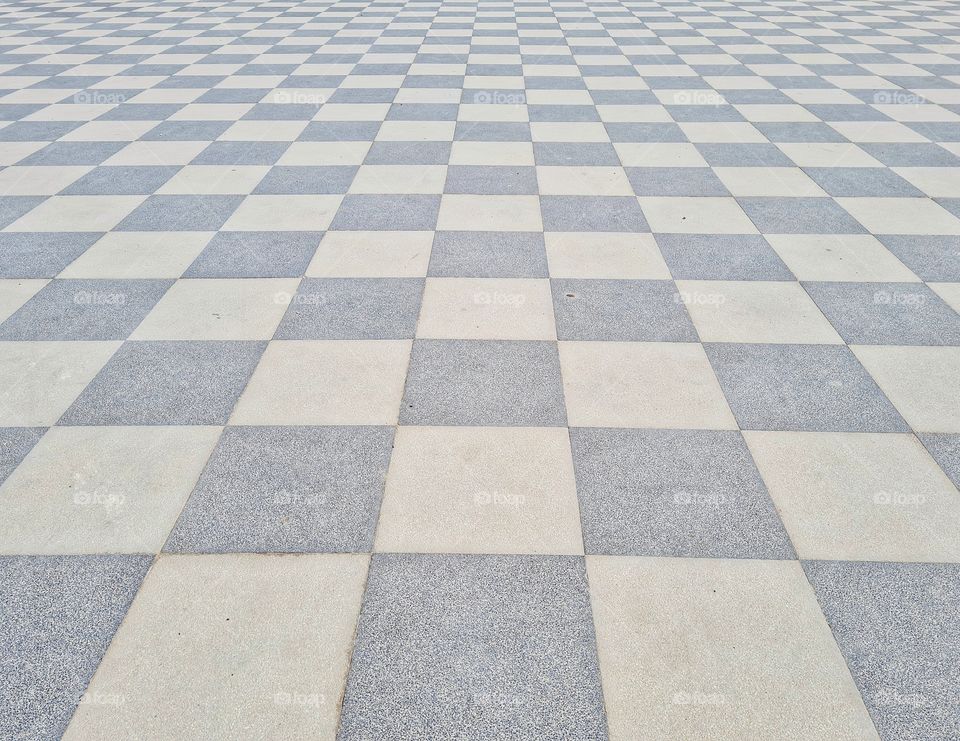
(593, 181)
(147, 154)
(949, 292)
(480, 490)
(768, 181)
(39, 380)
(922, 382)
(214, 179)
(38, 181)
(642, 384)
(401, 179)
(267, 637)
(372, 255)
(489, 213)
(506, 154)
(828, 154)
(659, 154)
(487, 309)
(901, 215)
(755, 311)
(696, 215)
(218, 309)
(15, 292)
(339, 382)
(708, 648)
(77, 214)
(324, 153)
(284, 213)
(102, 489)
(839, 257)
(859, 496)
(139, 255)
(609, 255)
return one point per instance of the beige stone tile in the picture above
(214, 180)
(901, 215)
(696, 215)
(372, 255)
(102, 489)
(859, 496)
(755, 311)
(768, 181)
(492, 153)
(642, 384)
(337, 382)
(401, 179)
(139, 255)
(604, 255)
(489, 213)
(39, 380)
(922, 382)
(218, 309)
(949, 292)
(480, 490)
(38, 181)
(77, 214)
(839, 257)
(592, 181)
(284, 213)
(266, 638)
(15, 292)
(720, 649)
(487, 309)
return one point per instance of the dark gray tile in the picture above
(337, 131)
(73, 153)
(167, 383)
(945, 450)
(41, 254)
(84, 310)
(886, 313)
(862, 181)
(255, 255)
(483, 382)
(896, 626)
(682, 493)
(620, 310)
(592, 214)
(13, 207)
(921, 154)
(287, 489)
(801, 387)
(353, 309)
(190, 213)
(241, 153)
(387, 213)
(672, 181)
(15, 443)
(931, 258)
(799, 216)
(721, 257)
(744, 155)
(595, 154)
(58, 614)
(121, 181)
(488, 255)
(306, 180)
(480, 180)
(458, 646)
(408, 153)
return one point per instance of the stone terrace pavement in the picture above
(480, 369)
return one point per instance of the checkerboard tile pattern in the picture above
(530, 368)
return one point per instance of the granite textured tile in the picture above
(686, 493)
(894, 624)
(460, 671)
(59, 615)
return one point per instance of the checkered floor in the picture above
(549, 369)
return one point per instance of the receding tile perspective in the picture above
(415, 370)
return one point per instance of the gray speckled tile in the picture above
(492, 647)
(483, 382)
(621, 310)
(886, 313)
(690, 493)
(41, 254)
(255, 255)
(84, 310)
(896, 625)
(488, 255)
(194, 383)
(721, 257)
(57, 616)
(15, 443)
(353, 308)
(801, 387)
(945, 450)
(287, 489)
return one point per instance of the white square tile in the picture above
(489, 213)
(696, 215)
(284, 213)
(768, 181)
(214, 179)
(139, 255)
(839, 257)
(901, 215)
(77, 214)
(608, 255)
(372, 255)
(400, 179)
(587, 181)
